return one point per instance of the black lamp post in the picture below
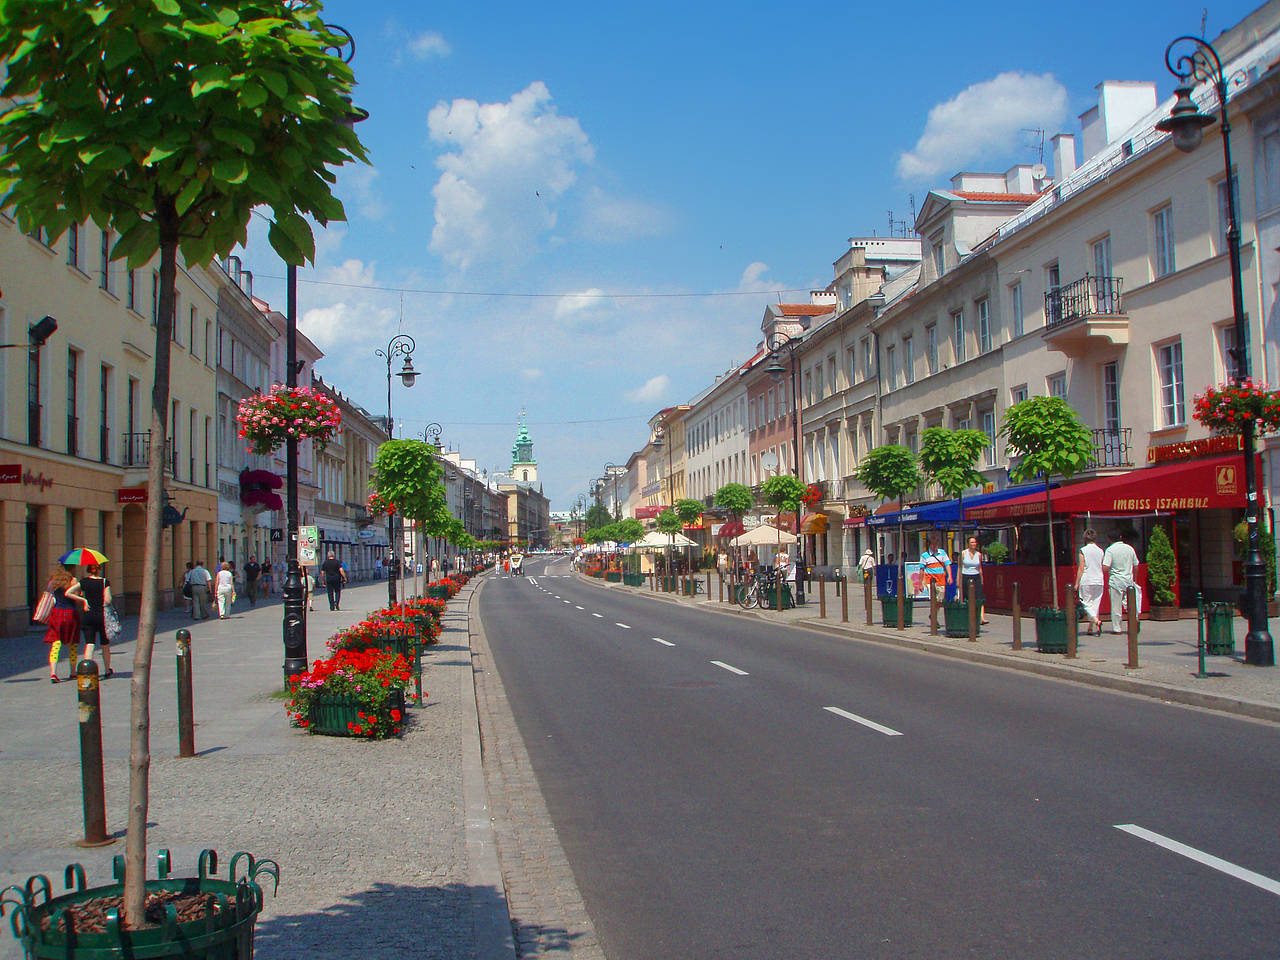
(1186, 125)
(292, 590)
(780, 344)
(611, 472)
(401, 345)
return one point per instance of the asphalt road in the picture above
(728, 788)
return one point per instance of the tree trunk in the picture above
(1053, 564)
(135, 874)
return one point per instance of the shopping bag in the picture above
(44, 607)
(111, 622)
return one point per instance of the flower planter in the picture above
(1165, 612)
(1218, 634)
(955, 615)
(222, 928)
(889, 612)
(331, 715)
(613, 576)
(1051, 630)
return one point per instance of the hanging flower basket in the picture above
(813, 495)
(1228, 407)
(269, 420)
(378, 506)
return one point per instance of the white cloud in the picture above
(354, 317)
(356, 188)
(653, 390)
(983, 121)
(429, 44)
(531, 373)
(753, 279)
(507, 167)
(607, 219)
(576, 303)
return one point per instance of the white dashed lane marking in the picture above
(887, 731)
(724, 666)
(1199, 856)
(601, 616)
(665, 643)
(622, 625)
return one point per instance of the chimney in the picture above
(1064, 155)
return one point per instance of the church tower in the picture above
(524, 469)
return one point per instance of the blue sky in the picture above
(698, 157)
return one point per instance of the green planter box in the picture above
(1051, 630)
(955, 615)
(889, 612)
(771, 595)
(690, 586)
(330, 715)
(612, 576)
(1219, 636)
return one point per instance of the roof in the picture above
(804, 309)
(983, 197)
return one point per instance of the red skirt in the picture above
(64, 626)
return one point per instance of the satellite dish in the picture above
(769, 462)
(1039, 171)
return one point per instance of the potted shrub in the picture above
(1161, 574)
(1267, 546)
(947, 457)
(996, 552)
(785, 493)
(354, 693)
(1051, 440)
(892, 472)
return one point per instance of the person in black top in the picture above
(334, 577)
(96, 590)
(251, 572)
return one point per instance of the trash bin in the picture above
(1051, 630)
(1219, 638)
(889, 612)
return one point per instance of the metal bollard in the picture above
(708, 584)
(822, 597)
(1017, 618)
(866, 598)
(720, 588)
(1200, 639)
(1073, 622)
(973, 612)
(844, 603)
(186, 704)
(1132, 596)
(91, 787)
(933, 610)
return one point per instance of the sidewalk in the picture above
(385, 848)
(1166, 650)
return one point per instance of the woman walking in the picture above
(1090, 581)
(64, 620)
(971, 573)
(96, 590)
(225, 590)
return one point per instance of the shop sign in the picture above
(1192, 449)
(366, 533)
(30, 479)
(10, 472)
(131, 495)
(648, 513)
(277, 535)
(308, 544)
(696, 525)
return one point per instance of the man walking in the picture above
(334, 578)
(1119, 560)
(252, 570)
(200, 591)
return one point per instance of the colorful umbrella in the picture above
(81, 556)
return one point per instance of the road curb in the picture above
(1138, 687)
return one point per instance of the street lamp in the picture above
(1186, 125)
(782, 343)
(611, 471)
(401, 345)
(292, 590)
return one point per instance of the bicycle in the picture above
(753, 592)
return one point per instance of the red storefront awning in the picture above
(731, 528)
(1196, 485)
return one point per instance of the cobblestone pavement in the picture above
(1167, 651)
(377, 854)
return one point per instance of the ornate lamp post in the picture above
(611, 472)
(401, 345)
(292, 590)
(780, 344)
(1186, 125)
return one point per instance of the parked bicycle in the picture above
(755, 590)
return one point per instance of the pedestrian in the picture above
(1120, 559)
(225, 589)
(935, 568)
(268, 576)
(64, 620)
(252, 572)
(308, 586)
(186, 586)
(200, 580)
(867, 565)
(435, 568)
(971, 573)
(96, 589)
(1090, 580)
(334, 578)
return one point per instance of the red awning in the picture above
(731, 528)
(1196, 485)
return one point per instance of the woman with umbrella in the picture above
(64, 619)
(96, 590)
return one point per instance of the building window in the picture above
(1172, 385)
(1111, 397)
(908, 360)
(989, 428)
(191, 330)
(939, 263)
(104, 412)
(868, 367)
(984, 326)
(73, 402)
(1220, 192)
(891, 369)
(819, 386)
(1018, 394)
(155, 296)
(208, 340)
(957, 336)
(831, 373)
(1052, 286)
(73, 246)
(1057, 385)
(931, 347)
(33, 396)
(1269, 189)
(131, 290)
(104, 262)
(1227, 346)
(1162, 230)
(1015, 309)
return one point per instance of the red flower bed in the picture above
(374, 678)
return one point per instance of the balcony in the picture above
(1085, 314)
(1112, 448)
(135, 454)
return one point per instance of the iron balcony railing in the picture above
(1087, 297)
(1112, 447)
(137, 451)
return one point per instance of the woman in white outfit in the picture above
(1089, 580)
(225, 589)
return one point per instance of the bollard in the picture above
(708, 584)
(822, 597)
(91, 787)
(186, 705)
(866, 598)
(1200, 640)
(720, 581)
(902, 606)
(653, 581)
(1017, 619)
(844, 602)
(1073, 622)
(1131, 595)
(933, 609)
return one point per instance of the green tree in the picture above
(1051, 440)
(1161, 568)
(689, 510)
(669, 522)
(597, 516)
(407, 473)
(948, 457)
(891, 472)
(169, 121)
(735, 498)
(784, 492)
(630, 530)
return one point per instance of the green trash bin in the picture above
(889, 612)
(769, 597)
(1219, 635)
(1051, 630)
(955, 616)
